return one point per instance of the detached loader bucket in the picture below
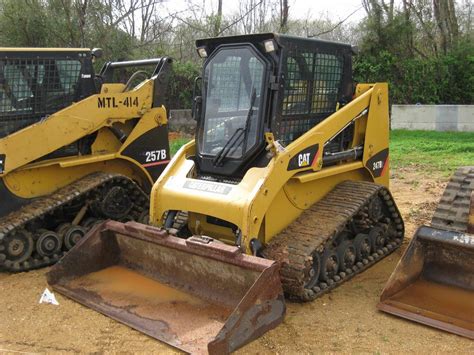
(434, 282)
(197, 295)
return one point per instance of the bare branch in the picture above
(336, 25)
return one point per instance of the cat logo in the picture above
(303, 159)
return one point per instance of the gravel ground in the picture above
(345, 320)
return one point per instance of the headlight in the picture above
(202, 52)
(269, 45)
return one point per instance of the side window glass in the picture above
(69, 72)
(296, 87)
(327, 81)
(16, 82)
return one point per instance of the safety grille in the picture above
(312, 87)
(32, 89)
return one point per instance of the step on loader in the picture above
(75, 147)
(433, 283)
(284, 191)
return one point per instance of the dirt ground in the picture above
(344, 320)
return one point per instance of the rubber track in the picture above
(314, 230)
(452, 212)
(49, 204)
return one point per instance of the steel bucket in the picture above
(433, 282)
(198, 295)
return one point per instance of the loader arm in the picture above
(74, 122)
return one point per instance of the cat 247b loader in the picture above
(75, 148)
(283, 191)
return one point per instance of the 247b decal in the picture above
(378, 163)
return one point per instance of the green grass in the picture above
(177, 143)
(431, 151)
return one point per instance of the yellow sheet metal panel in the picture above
(43, 180)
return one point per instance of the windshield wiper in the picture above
(231, 144)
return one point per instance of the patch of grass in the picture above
(177, 143)
(425, 150)
(431, 151)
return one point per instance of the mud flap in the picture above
(198, 295)
(433, 282)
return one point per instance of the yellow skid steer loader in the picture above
(283, 191)
(75, 147)
(434, 281)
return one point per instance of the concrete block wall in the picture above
(433, 117)
(412, 117)
(181, 121)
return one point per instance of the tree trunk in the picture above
(81, 8)
(217, 24)
(284, 8)
(447, 23)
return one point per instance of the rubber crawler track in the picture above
(32, 217)
(452, 212)
(317, 228)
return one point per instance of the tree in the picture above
(284, 10)
(445, 15)
(218, 21)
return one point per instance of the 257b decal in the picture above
(155, 157)
(113, 102)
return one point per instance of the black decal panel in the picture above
(306, 158)
(378, 164)
(151, 150)
(10, 202)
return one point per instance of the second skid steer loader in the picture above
(75, 147)
(289, 171)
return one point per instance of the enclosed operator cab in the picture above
(37, 82)
(265, 83)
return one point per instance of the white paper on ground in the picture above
(48, 297)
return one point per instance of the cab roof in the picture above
(282, 40)
(40, 49)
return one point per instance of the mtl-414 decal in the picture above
(113, 102)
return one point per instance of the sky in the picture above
(299, 9)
